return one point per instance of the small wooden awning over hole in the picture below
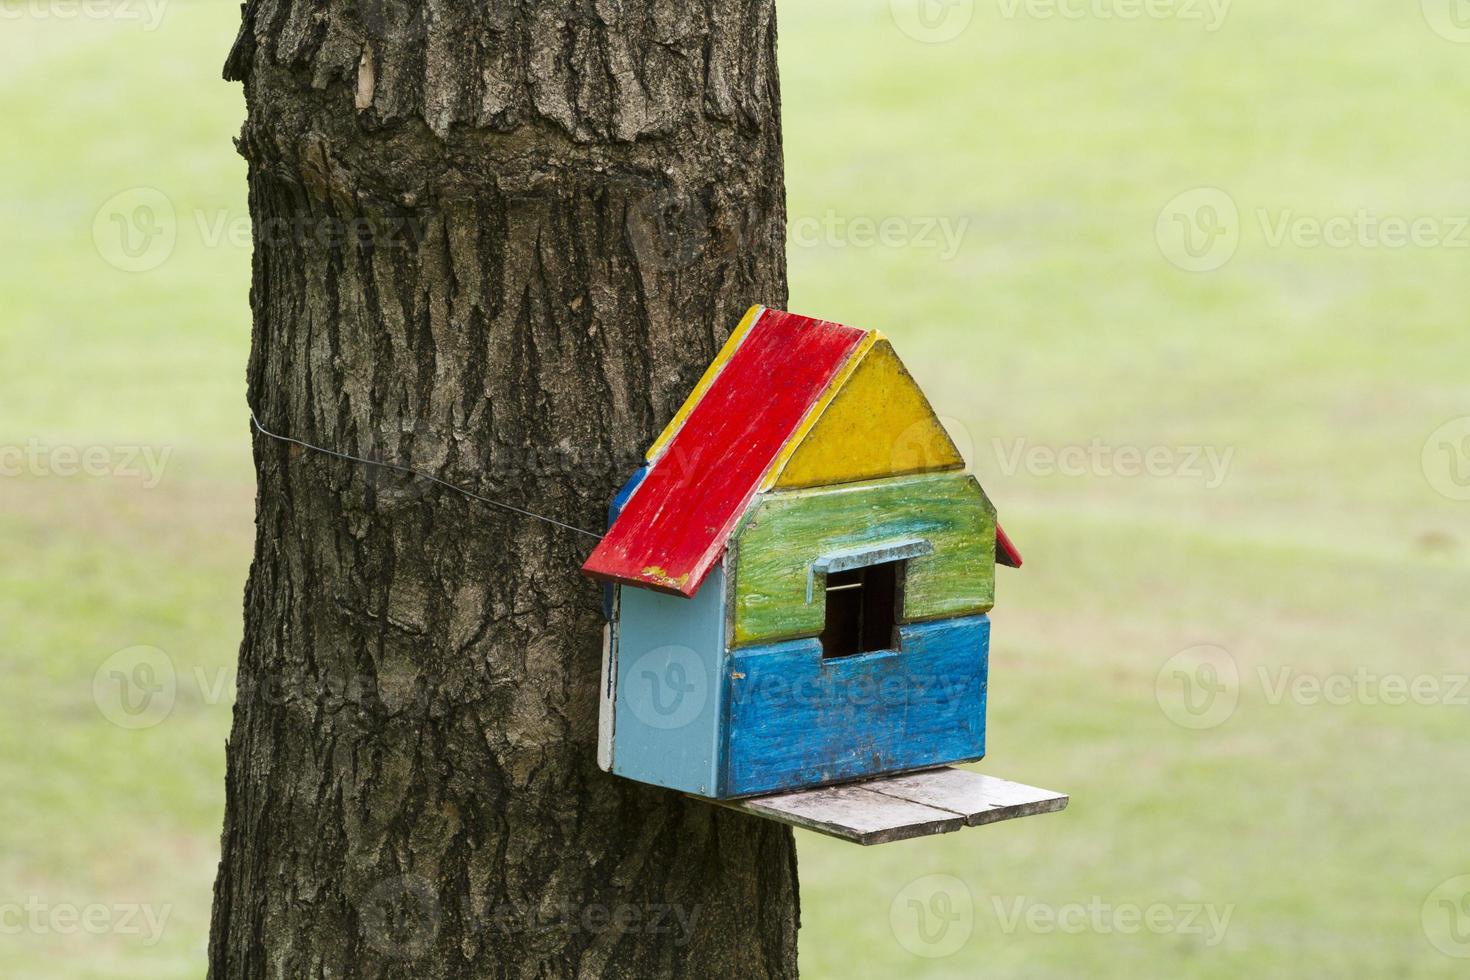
(891, 808)
(846, 561)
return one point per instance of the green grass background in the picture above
(1054, 143)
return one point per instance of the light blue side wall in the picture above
(796, 720)
(670, 652)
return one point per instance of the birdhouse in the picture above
(800, 576)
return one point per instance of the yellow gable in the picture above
(876, 424)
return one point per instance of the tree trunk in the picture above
(498, 242)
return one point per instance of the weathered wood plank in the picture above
(607, 696)
(877, 811)
(856, 814)
(878, 425)
(787, 532)
(979, 798)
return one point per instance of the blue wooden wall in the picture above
(669, 654)
(796, 720)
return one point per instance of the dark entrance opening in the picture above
(862, 610)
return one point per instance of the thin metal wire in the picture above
(427, 476)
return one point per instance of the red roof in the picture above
(1005, 551)
(673, 529)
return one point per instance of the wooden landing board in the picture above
(892, 808)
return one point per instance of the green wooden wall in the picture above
(784, 533)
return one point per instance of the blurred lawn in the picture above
(1049, 146)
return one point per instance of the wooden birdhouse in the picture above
(800, 577)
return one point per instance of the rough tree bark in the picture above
(498, 242)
